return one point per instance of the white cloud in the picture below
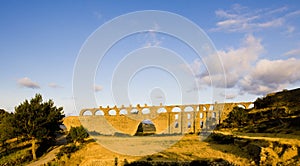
(294, 52)
(294, 13)
(236, 62)
(194, 68)
(28, 83)
(248, 53)
(224, 14)
(54, 85)
(277, 71)
(227, 23)
(271, 75)
(278, 10)
(98, 88)
(273, 23)
(243, 19)
(246, 72)
(243, 68)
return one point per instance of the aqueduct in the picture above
(167, 119)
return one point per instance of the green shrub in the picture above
(77, 134)
(221, 139)
(238, 117)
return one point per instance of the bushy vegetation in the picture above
(203, 162)
(274, 113)
(33, 120)
(220, 138)
(77, 134)
(289, 98)
(6, 130)
(37, 120)
(76, 139)
(238, 117)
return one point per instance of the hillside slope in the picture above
(275, 113)
(287, 98)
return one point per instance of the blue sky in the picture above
(257, 41)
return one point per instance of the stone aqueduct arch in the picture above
(167, 119)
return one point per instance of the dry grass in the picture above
(17, 154)
(188, 148)
(71, 121)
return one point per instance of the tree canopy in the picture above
(37, 120)
(77, 134)
(237, 117)
(6, 130)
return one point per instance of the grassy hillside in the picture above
(71, 121)
(287, 98)
(275, 113)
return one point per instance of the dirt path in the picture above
(60, 141)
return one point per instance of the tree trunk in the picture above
(33, 141)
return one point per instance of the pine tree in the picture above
(37, 120)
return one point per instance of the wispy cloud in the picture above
(242, 19)
(98, 15)
(54, 85)
(294, 13)
(98, 88)
(28, 83)
(294, 52)
(151, 37)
